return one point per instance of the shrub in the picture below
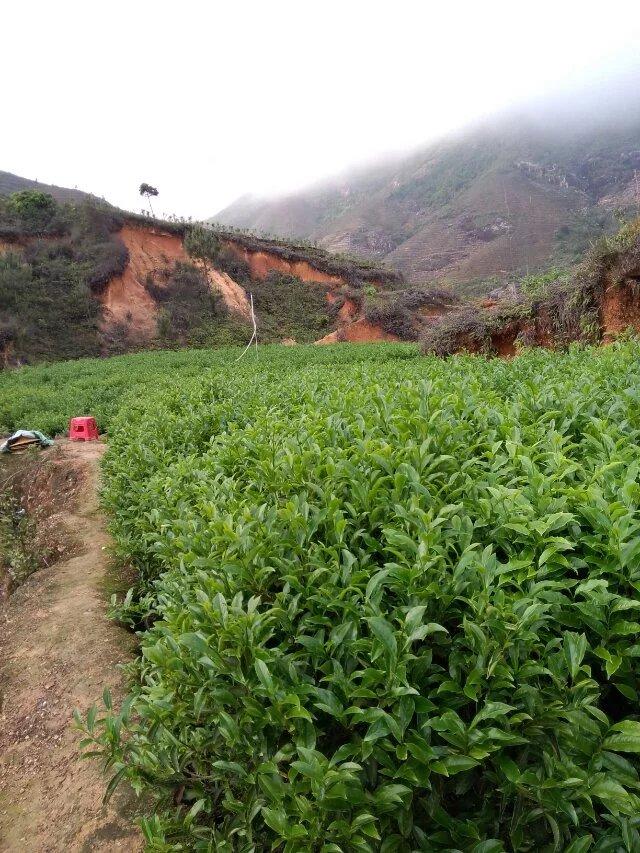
(535, 285)
(391, 605)
(188, 305)
(394, 319)
(398, 313)
(32, 209)
(236, 267)
(47, 292)
(285, 307)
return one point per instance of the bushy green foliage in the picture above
(201, 243)
(48, 285)
(188, 305)
(288, 307)
(474, 329)
(45, 397)
(626, 238)
(555, 308)
(535, 284)
(32, 209)
(392, 605)
(401, 312)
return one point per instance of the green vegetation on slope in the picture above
(389, 605)
(551, 309)
(499, 200)
(56, 258)
(63, 255)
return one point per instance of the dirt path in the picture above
(57, 652)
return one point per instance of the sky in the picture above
(209, 101)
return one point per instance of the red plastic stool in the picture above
(83, 429)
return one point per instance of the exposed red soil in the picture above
(125, 299)
(234, 296)
(541, 330)
(152, 253)
(262, 263)
(350, 330)
(620, 306)
(58, 652)
(348, 311)
(359, 332)
(503, 342)
(602, 302)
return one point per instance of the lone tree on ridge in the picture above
(147, 191)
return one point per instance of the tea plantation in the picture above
(385, 602)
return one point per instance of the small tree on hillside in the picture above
(203, 244)
(32, 208)
(147, 191)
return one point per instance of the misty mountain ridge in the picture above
(10, 183)
(502, 198)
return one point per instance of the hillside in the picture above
(10, 183)
(89, 280)
(476, 209)
(598, 303)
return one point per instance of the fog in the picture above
(212, 101)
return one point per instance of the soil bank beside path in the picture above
(58, 651)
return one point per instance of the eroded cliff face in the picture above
(350, 328)
(620, 307)
(600, 303)
(128, 303)
(152, 253)
(125, 298)
(262, 263)
(358, 332)
(131, 301)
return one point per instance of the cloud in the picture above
(208, 101)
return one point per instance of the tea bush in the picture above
(44, 397)
(390, 606)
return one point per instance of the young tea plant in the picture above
(387, 606)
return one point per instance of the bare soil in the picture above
(127, 302)
(58, 651)
(261, 264)
(358, 332)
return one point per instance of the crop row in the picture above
(383, 606)
(45, 397)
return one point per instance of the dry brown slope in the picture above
(57, 652)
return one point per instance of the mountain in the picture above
(10, 183)
(500, 200)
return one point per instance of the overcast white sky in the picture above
(211, 100)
